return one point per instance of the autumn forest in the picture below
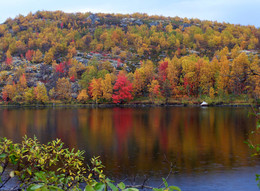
(114, 58)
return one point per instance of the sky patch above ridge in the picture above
(231, 11)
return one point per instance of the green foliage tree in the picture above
(87, 76)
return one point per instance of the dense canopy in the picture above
(79, 56)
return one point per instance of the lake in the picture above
(205, 145)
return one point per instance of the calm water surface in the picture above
(206, 145)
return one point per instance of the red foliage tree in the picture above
(178, 51)
(188, 86)
(29, 55)
(162, 71)
(118, 63)
(72, 78)
(9, 60)
(123, 89)
(60, 68)
(5, 96)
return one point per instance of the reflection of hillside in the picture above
(15, 123)
(193, 138)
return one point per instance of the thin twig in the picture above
(5, 165)
(139, 186)
(15, 188)
(5, 181)
(133, 183)
(170, 172)
(255, 113)
(123, 180)
(145, 180)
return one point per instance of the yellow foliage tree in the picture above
(49, 56)
(211, 93)
(239, 70)
(29, 96)
(107, 87)
(172, 73)
(154, 89)
(41, 93)
(139, 81)
(83, 96)
(52, 93)
(8, 92)
(37, 56)
(95, 89)
(224, 75)
(63, 89)
(73, 73)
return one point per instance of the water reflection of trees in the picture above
(130, 139)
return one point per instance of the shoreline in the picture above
(127, 105)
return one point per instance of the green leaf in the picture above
(112, 186)
(174, 188)
(34, 187)
(3, 155)
(257, 124)
(165, 183)
(54, 188)
(13, 159)
(99, 186)
(258, 179)
(131, 189)
(89, 188)
(1, 169)
(121, 185)
(157, 189)
(39, 175)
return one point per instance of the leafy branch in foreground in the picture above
(254, 144)
(53, 167)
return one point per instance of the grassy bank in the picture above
(236, 101)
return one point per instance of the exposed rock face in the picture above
(93, 18)
(75, 87)
(45, 73)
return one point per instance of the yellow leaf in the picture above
(11, 174)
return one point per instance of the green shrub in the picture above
(53, 167)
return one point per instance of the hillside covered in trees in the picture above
(86, 57)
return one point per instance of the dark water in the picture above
(205, 145)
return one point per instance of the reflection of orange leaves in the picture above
(190, 135)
